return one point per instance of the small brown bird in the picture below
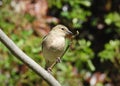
(53, 44)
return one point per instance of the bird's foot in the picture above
(49, 69)
(58, 60)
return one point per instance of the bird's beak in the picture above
(69, 33)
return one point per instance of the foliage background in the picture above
(94, 56)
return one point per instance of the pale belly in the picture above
(54, 50)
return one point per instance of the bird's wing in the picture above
(43, 41)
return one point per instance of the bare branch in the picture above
(27, 60)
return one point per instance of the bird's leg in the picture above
(48, 67)
(51, 67)
(58, 60)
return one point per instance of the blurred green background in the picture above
(94, 56)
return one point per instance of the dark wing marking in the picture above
(43, 41)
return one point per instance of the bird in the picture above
(53, 45)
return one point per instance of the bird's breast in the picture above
(57, 44)
(53, 47)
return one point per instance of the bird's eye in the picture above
(62, 28)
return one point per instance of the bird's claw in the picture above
(49, 69)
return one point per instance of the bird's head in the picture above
(61, 30)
